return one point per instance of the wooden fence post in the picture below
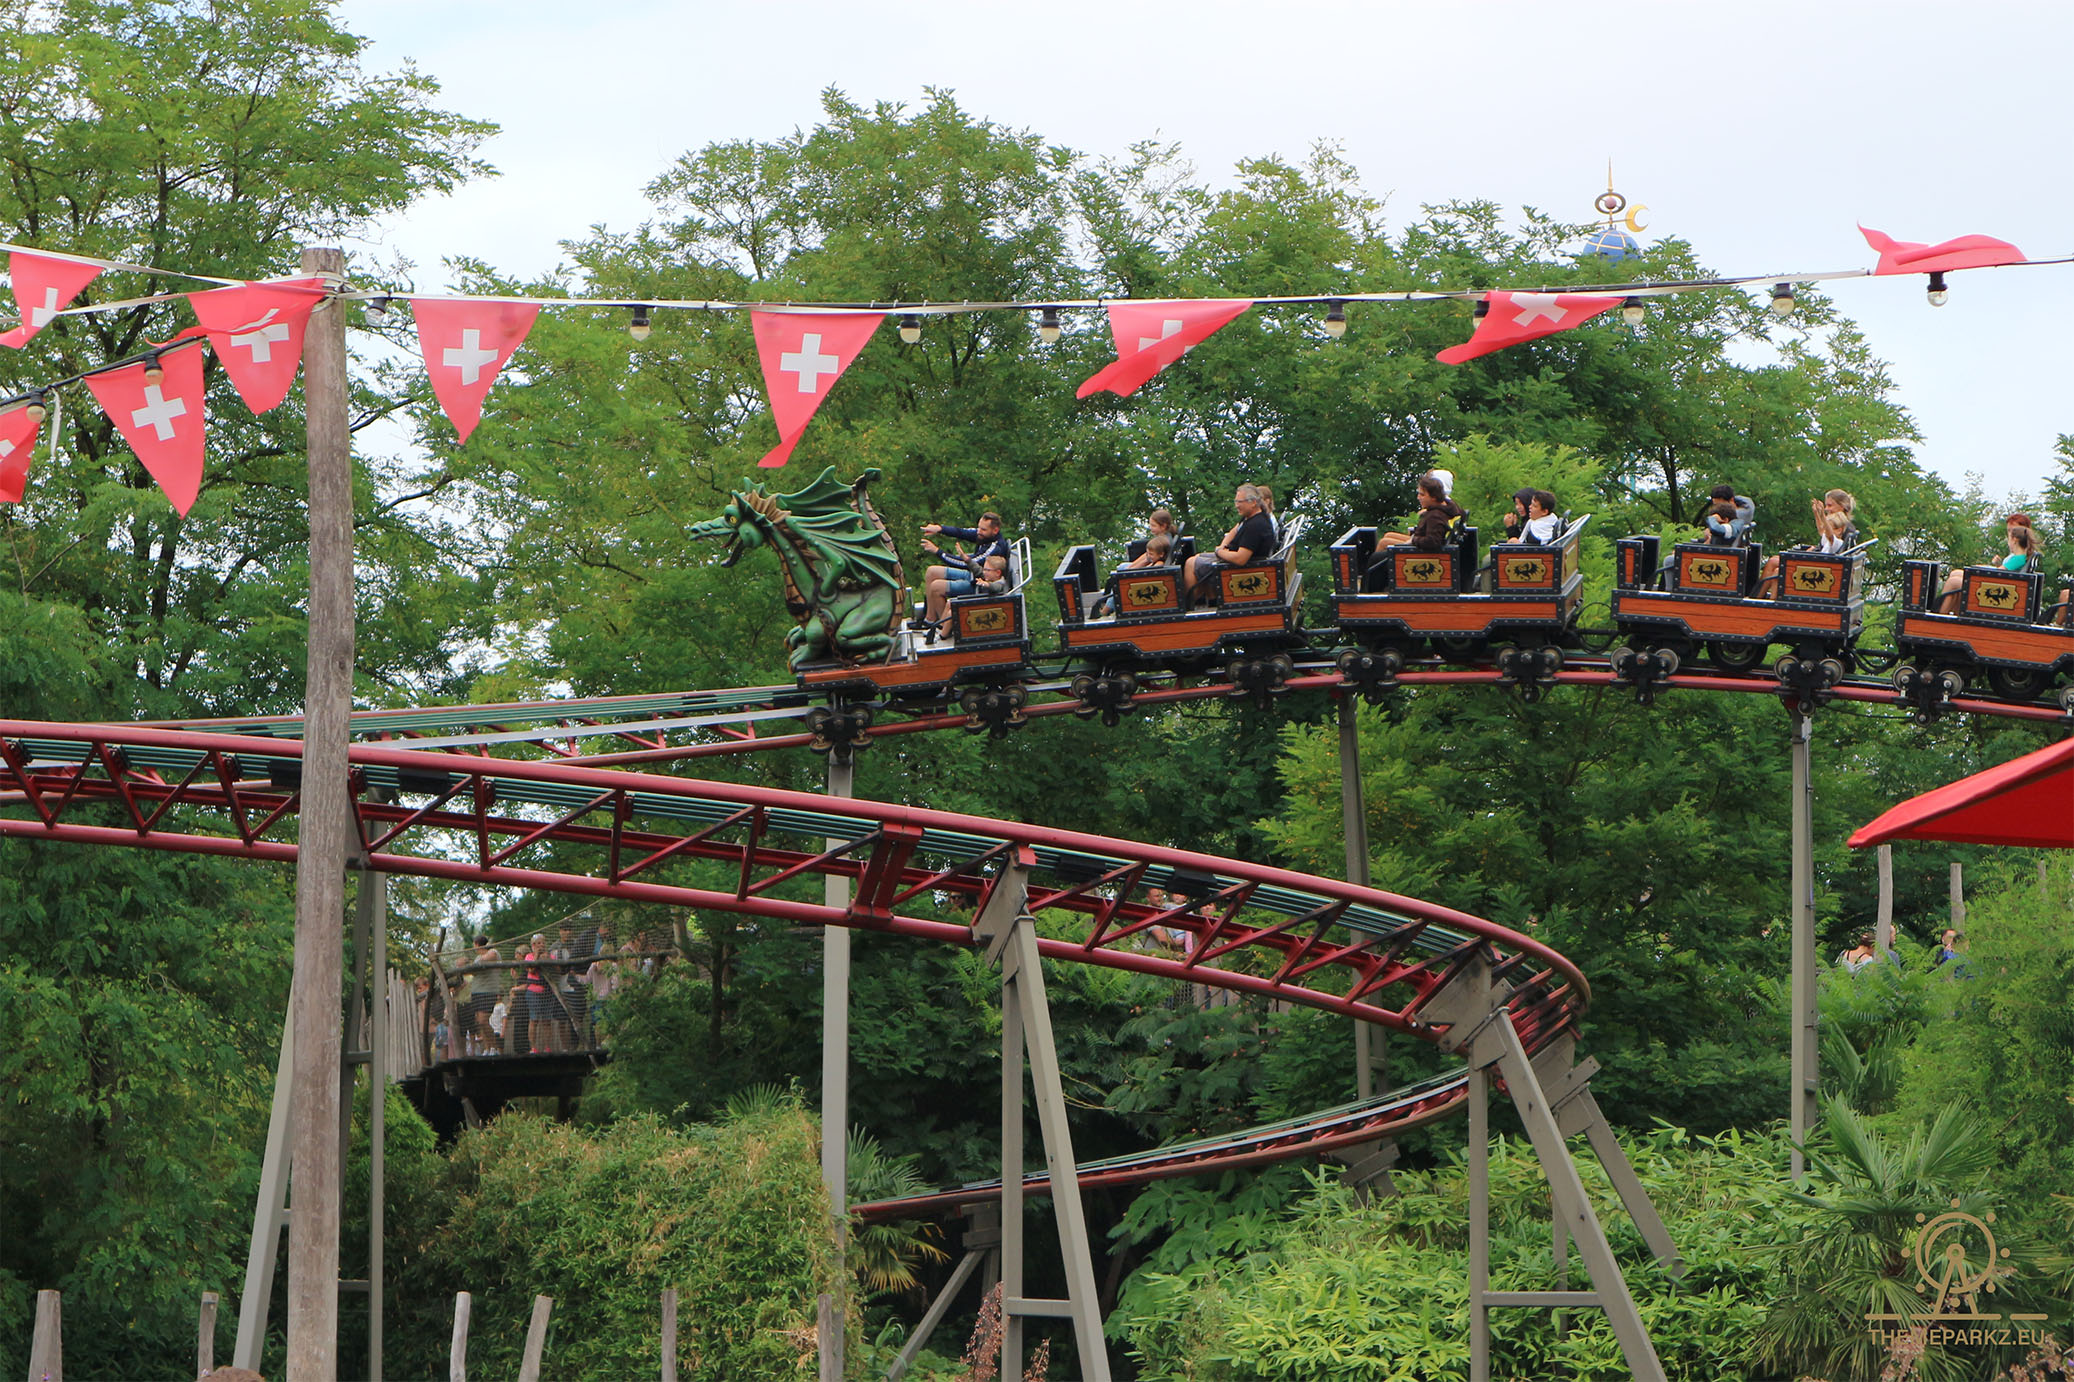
(47, 1346)
(536, 1339)
(205, 1337)
(457, 1355)
(670, 1334)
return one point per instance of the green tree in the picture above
(212, 139)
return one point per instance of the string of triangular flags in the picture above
(256, 330)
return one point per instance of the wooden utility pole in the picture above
(326, 816)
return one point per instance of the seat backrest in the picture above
(1290, 532)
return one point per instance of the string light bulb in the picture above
(1048, 328)
(910, 328)
(1335, 318)
(1938, 292)
(38, 408)
(377, 311)
(154, 372)
(639, 327)
(1782, 299)
(1632, 311)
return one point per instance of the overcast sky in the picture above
(1763, 133)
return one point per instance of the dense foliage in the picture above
(142, 994)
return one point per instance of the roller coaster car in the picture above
(1391, 598)
(1238, 610)
(983, 643)
(1709, 595)
(1998, 630)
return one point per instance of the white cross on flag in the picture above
(17, 445)
(43, 287)
(256, 329)
(162, 422)
(1152, 335)
(1515, 317)
(803, 354)
(466, 341)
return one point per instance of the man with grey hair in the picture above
(1249, 540)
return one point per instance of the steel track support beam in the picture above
(1368, 1042)
(835, 1067)
(1009, 934)
(1480, 1028)
(269, 1216)
(982, 1249)
(1806, 1073)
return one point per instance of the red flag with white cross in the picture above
(1510, 318)
(256, 330)
(1966, 252)
(161, 420)
(466, 341)
(803, 354)
(17, 444)
(1152, 335)
(44, 285)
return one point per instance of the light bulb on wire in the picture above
(1782, 299)
(1632, 311)
(37, 409)
(639, 327)
(1938, 292)
(154, 372)
(1048, 328)
(376, 311)
(910, 328)
(1335, 318)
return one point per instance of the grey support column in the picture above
(1368, 1042)
(1805, 1072)
(269, 1216)
(1010, 935)
(835, 1058)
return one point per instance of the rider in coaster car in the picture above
(1437, 515)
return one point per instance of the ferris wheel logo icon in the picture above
(1957, 1258)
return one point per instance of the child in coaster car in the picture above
(1158, 548)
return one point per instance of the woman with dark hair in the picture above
(1437, 513)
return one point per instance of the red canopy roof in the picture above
(2028, 801)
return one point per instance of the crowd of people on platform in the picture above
(552, 995)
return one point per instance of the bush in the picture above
(732, 1215)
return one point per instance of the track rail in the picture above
(1252, 928)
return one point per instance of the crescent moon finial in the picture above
(1634, 211)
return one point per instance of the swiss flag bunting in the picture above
(1152, 335)
(465, 344)
(1515, 317)
(162, 422)
(803, 354)
(256, 329)
(17, 445)
(43, 287)
(1966, 252)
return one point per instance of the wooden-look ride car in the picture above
(2000, 630)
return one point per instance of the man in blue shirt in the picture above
(940, 584)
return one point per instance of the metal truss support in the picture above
(982, 1245)
(1368, 1042)
(1806, 1017)
(835, 1066)
(1009, 933)
(1481, 1029)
